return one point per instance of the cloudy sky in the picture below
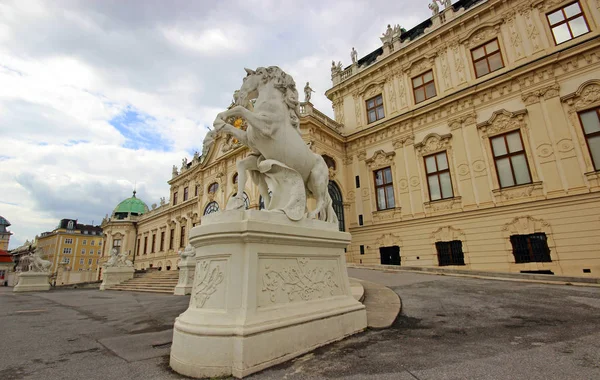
(98, 95)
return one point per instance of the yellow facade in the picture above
(74, 252)
(438, 159)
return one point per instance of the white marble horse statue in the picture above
(36, 263)
(280, 160)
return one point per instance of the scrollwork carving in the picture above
(502, 121)
(433, 143)
(206, 282)
(300, 282)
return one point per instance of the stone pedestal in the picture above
(187, 268)
(33, 282)
(266, 290)
(115, 275)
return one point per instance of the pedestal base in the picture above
(115, 275)
(33, 282)
(266, 290)
(187, 268)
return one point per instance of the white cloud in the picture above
(72, 71)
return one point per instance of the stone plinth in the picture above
(115, 275)
(187, 268)
(266, 290)
(33, 282)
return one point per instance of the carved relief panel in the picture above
(210, 284)
(297, 280)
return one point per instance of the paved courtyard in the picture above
(450, 328)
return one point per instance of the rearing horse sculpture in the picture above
(279, 160)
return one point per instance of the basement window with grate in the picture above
(531, 248)
(450, 253)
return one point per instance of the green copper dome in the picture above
(131, 205)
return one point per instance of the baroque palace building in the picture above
(470, 141)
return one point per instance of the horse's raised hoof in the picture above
(236, 203)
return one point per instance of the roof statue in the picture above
(435, 8)
(307, 92)
(279, 160)
(175, 172)
(386, 37)
(353, 55)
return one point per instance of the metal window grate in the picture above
(531, 248)
(450, 253)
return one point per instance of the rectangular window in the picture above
(174, 198)
(100, 242)
(450, 253)
(67, 251)
(68, 241)
(530, 248)
(590, 120)
(81, 261)
(185, 194)
(145, 244)
(423, 87)
(153, 242)
(116, 243)
(66, 260)
(375, 109)
(92, 242)
(162, 241)
(438, 176)
(83, 251)
(360, 220)
(92, 251)
(138, 247)
(567, 23)
(84, 242)
(90, 261)
(196, 191)
(384, 189)
(182, 237)
(362, 249)
(487, 58)
(510, 159)
(357, 181)
(171, 238)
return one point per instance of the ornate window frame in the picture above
(431, 144)
(450, 233)
(525, 225)
(379, 160)
(390, 240)
(546, 7)
(586, 97)
(503, 121)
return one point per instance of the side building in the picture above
(74, 250)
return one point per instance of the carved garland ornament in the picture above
(299, 282)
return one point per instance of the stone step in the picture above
(144, 290)
(124, 285)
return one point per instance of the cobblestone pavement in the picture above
(449, 328)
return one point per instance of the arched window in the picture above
(338, 203)
(261, 201)
(213, 187)
(235, 178)
(211, 207)
(246, 200)
(329, 161)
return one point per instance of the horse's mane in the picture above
(284, 83)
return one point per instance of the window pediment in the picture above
(586, 96)
(433, 143)
(380, 159)
(482, 34)
(502, 121)
(372, 89)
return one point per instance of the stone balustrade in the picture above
(307, 109)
